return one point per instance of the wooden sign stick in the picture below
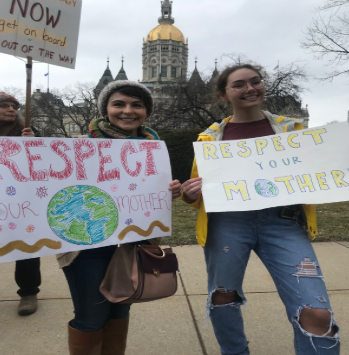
(29, 67)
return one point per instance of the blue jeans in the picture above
(84, 277)
(284, 248)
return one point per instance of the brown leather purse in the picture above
(140, 273)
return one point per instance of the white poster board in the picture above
(46, 30)
(302, 167)
(61, 194)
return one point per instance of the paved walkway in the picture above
(173, 326)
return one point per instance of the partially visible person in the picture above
(27, 273)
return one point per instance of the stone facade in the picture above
(165, 51)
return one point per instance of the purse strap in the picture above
(153, 255)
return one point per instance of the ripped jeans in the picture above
(284, 248)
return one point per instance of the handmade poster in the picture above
(310, 166)
(59, 195)
(46, 30)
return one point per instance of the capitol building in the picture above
(164, 55)
(165, 68)
(181, 102)
(165, 50)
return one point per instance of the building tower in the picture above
(215, 73)
(195, 78)
(165, 50)
(122, 74)
(106, 78)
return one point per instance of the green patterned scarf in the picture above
(101, 128)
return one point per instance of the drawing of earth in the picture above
(266, 188)
(83, 215)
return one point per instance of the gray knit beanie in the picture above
(114, 86)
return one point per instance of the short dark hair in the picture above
(134, 92)
(222, 80)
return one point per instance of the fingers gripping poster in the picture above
(301, 167)
(60, 194)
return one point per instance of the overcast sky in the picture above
(266, 31)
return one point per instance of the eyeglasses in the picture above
(7, 106)
(241, 86)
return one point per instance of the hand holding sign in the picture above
(27, 132)
(192, 189)
(175, 187)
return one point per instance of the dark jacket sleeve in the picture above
(36, 132)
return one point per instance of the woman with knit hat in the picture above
(27, 273)
(100, 327)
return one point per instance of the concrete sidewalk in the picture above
(173, 326)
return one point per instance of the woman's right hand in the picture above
(27, 132)
(192, 189)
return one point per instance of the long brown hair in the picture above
(222, 80)
(13, 128)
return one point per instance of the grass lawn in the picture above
(333, 222)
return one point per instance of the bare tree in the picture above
(237, 58)
(47, 114)
(333, 3)
(14, 91)
(334, 121)
(328, 37)
(66, 112)
(283, 89)
(193, 103)
(186, 105)
(81, 106)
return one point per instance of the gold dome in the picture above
(165, 29)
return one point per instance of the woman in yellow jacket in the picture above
(277, 235)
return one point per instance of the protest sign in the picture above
(45, 30)
(60, 194)
(301, 167)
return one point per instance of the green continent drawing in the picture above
(83, 215)
(266, 188)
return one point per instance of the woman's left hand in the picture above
(27, 132)
(175, 187)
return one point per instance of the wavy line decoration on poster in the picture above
(61, 195)
(140, 231)
(26, 248)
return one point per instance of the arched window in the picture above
(173, 72)
(154, 72)
(163, 72)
